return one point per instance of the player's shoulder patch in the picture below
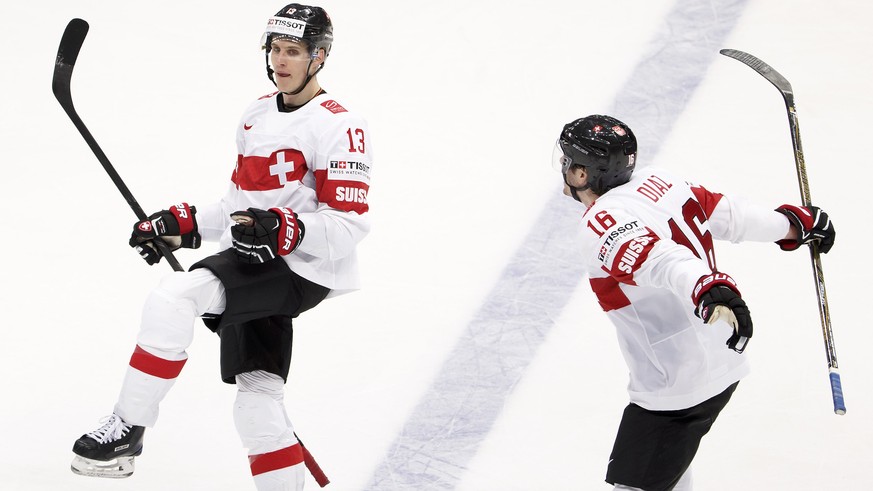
(333, 106)
(267, 96)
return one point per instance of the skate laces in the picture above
(113, 429)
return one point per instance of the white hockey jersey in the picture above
(315, 160)
(648, 243)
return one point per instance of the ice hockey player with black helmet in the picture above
(287, 228)
(682, 324)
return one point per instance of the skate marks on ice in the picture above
(446, 428)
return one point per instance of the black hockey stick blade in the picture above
(68, 53)
(764, 70)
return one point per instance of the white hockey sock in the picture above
(275, 457)
(166, 331)
(146, 383)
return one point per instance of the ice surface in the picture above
(473, 359)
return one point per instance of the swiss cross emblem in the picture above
(282, 168)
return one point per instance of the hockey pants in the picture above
(166, 331)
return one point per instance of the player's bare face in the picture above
(290, 61)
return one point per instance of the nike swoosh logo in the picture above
(247, 127)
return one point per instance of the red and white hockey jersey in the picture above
(648, 243)
(315, 160)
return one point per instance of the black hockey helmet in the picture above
(302, 23)
(605, 146)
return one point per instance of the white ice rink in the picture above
(475, 358)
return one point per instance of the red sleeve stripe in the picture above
(280, 459)
(707, 199)
(630, 256)
(609, 294)
(148, 363)
(343, 195)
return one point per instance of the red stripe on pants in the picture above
(148, 363)
(279, 459)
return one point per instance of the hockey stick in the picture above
(313, 467)
(784, 87)
(68, 52)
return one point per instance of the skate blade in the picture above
(114, 469)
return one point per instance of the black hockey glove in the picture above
(262, 235)
(177, 227)
(812, 224)
(715, 297)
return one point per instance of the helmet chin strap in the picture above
(303, 85)
(574, 191)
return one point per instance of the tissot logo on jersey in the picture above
(624, 248)
(618, 232)
(346, 183)
(348, 170)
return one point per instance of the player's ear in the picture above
(318, 56)
(580, 174)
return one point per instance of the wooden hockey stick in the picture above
(784, 87)
(68, 53)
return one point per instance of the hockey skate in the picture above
(109, 450)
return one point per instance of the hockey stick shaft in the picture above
(784, 87)
(68, 53)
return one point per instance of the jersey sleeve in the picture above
(342, 170)
(630, 252)
(737, 219)
(214, 218)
